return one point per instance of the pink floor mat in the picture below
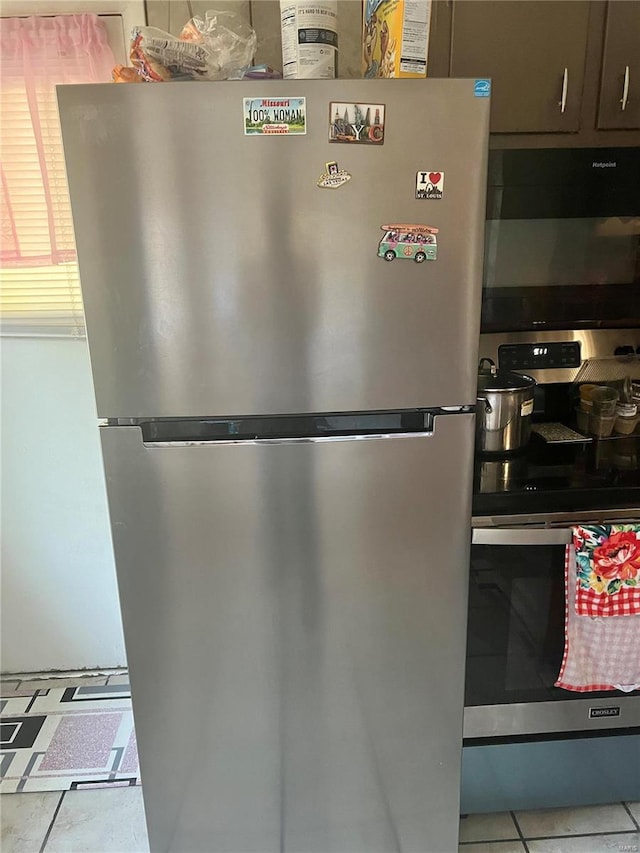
(67, 738)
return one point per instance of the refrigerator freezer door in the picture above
(218, 278)
(294, 615)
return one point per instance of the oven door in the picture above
(516, 637)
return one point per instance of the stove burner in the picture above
(557, 477)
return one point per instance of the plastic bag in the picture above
(158, 56)
(229, 38)
(219, 46)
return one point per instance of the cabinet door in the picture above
(619, 105)
(535, 54)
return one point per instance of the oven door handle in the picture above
(521, 536)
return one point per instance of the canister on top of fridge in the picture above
(309, 39)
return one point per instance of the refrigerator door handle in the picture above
(259, 442)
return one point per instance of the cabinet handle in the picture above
(562, 103)
(625, 88)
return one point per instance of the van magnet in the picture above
(333, 177)
(429, 184)
(417, 242)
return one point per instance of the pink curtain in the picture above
(36, 54)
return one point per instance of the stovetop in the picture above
(544, 478)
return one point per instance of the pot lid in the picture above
(504, 380)
(493, 379)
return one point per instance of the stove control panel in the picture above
(539, 356)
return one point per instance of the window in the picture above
(39, 280)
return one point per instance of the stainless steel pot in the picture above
(505, 406)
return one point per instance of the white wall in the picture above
(59, 602)
(59, 597)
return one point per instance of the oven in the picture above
(516, 632)
(524, 506)
(562, 239)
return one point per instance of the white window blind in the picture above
(42, 301)
(39, 279)
(44, 298)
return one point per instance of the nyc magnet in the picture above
(334, 177)
(417, 242)
(356, 123)
(429, 184)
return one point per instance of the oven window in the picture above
(550, 272)
(515, 636)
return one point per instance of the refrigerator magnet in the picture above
(413, 242)
(333, 177)
(356, 123)
(429, 184)
(274, 116)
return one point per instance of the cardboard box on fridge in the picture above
(395, 38)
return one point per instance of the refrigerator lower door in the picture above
(294, 614)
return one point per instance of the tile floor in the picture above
(112, 821)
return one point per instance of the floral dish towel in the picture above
(607, 569)
(600, 653)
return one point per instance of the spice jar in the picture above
(604, 400)
(601, 425)
(582, 420)
(626, 418)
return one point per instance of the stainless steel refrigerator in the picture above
(285, 374)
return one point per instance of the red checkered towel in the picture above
(599, 653)
(607, 569)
